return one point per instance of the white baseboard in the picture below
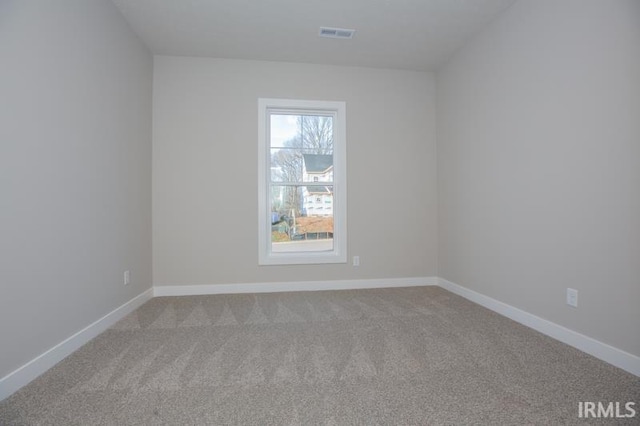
(274, 287)
(25, 374)
(603, 351)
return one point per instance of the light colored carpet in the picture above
(387, 356)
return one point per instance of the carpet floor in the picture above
(417, 355)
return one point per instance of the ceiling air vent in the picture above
(336, 32)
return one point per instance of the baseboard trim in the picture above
(602, 351)
(34, 368)
(275, 287)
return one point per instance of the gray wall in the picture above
(75, 170)
(539, 164)
(205, 179)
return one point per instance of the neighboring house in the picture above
(317, 199)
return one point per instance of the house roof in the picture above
(320, 189)
(317, 163)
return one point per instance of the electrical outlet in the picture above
(572, 297)
(127, 277)
(356, 260)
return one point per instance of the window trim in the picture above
(294, 106)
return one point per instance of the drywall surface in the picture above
(205, 158)
(539, 164)
(75, 170)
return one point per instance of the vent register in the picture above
(336, 32)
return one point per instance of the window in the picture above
(302, 166)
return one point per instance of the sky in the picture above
(283, 128)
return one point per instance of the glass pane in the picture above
(285, 131)
(299, 165)
(301, 148)
(286, 165)
(301, 218)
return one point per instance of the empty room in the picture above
(332, 212)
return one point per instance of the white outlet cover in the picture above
(572, 297)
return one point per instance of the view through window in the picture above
(301, 167)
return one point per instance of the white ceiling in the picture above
(405, 34)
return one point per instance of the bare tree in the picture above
(288, 161)
(317, 133)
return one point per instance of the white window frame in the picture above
(293, 106)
